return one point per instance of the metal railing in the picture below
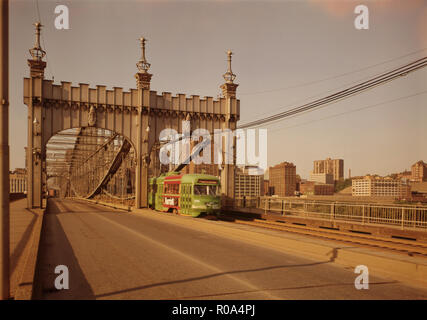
(365, 213)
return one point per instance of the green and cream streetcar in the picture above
(186, 194)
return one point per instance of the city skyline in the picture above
(393, 138)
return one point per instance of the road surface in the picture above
(118, 255)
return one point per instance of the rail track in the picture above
(403, 246)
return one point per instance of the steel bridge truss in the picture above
(91, 163)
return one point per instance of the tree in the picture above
(342, 184)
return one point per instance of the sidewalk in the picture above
(22, 225)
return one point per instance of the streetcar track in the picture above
(401, 246)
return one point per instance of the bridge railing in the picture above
(366, 213)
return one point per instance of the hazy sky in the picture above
(282, 49)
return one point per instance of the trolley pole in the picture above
(4, 151)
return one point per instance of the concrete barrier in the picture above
(342, 225)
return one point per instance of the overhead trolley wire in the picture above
(353, 110)
(333, 77)
(361, 87)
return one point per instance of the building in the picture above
(419, 191)
(283, 179)
(315, 188)
(405, 175)
(326, 178)
(18, 181)
(307, 187)
(247, 184)
(298, 183)
(331, 166)
(268, 191)
(419, 171)
(374, 186)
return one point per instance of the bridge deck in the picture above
(119, 255)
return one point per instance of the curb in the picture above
(25, 289)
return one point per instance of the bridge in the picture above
(112, 132)
(98, 148)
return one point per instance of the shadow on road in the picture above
(20, 247)
(231, 273)
(55, 249)
(278, 289)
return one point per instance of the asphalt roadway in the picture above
(112, 254)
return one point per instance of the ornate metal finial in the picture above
(142, 64)
(37, 52)
(229, 76)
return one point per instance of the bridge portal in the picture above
(139, 115)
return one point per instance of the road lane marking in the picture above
(189, 257)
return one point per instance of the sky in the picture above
(286, 53)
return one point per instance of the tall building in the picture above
(374, 186)
(326, 178)
(331, 166)
(419, 171)
(247, 184)
(18, 181)
(283, 179)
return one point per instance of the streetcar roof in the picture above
(183, 177)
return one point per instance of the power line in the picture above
(354, 110)
(306, 100)
(332, 77)
(318, 95)
(364, 86)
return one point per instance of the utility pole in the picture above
(4, 151)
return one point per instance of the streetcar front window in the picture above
(201, 190)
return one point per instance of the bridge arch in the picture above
(87, 162)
